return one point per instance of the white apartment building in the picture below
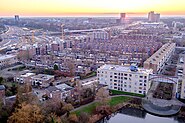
(124, 78)
(6, 60)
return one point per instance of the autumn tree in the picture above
(73, 118)
(67, 108)
(102, 96)
(53, 106)
(53, 118)
(25, 95)
(84, 117)
(27, 113)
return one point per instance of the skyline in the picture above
(84, 7)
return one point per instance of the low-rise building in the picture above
(66, 90)
(158, 59)
(53, 92)
(42, 80)
(123, 78)
(23, 78)
(7, 60)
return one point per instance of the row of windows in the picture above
(115, 80)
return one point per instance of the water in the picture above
(131, 115)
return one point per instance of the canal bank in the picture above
(133, 115)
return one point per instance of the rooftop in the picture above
(52, 88)
(3, 57)
(43, 76)
(124, 68)
(64, 87)
(2, 87)
(157, 56)
(27, 74)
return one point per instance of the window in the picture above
(115, 73)
(130, 75)
(140, 92)
(140, 76)
(115, 77)
(125, 78)
(125, 74)
(140, 83)
(110, 76)
(140, 80)
(115, 80)
(110, 79)
(145, 77)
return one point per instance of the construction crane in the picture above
(62, 28)
(33, 34)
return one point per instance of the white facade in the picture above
(123, 79)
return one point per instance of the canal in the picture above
(132, 115)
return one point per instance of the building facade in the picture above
(124, 78)
(158, 59)
(7, 60)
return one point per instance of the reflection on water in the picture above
(131, 115)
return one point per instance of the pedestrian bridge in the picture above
(162, 78)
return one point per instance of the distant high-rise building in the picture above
(122, 17)
(17, 18)
(153, 17)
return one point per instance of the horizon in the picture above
(82, 7)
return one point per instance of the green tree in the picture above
(56, 67)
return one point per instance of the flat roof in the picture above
(27, 74)
(124, 69)
(64, 87)
(43, 76)
(3, 57)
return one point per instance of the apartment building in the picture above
(159, 58)
(123, 78)
(6, 60)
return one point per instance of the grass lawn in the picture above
(113, 101)
(87, 109)
(116, 100)
(115, 92)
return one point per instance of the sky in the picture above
(89, 7)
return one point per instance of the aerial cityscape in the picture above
(79, 61)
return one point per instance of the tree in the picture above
(25, 95)
(27, 113)
(84, 117)
(102, 96)
(67, 108)
(1, 80)
(53, 118)
(73, 118)
(56, 67)
(52, 106)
